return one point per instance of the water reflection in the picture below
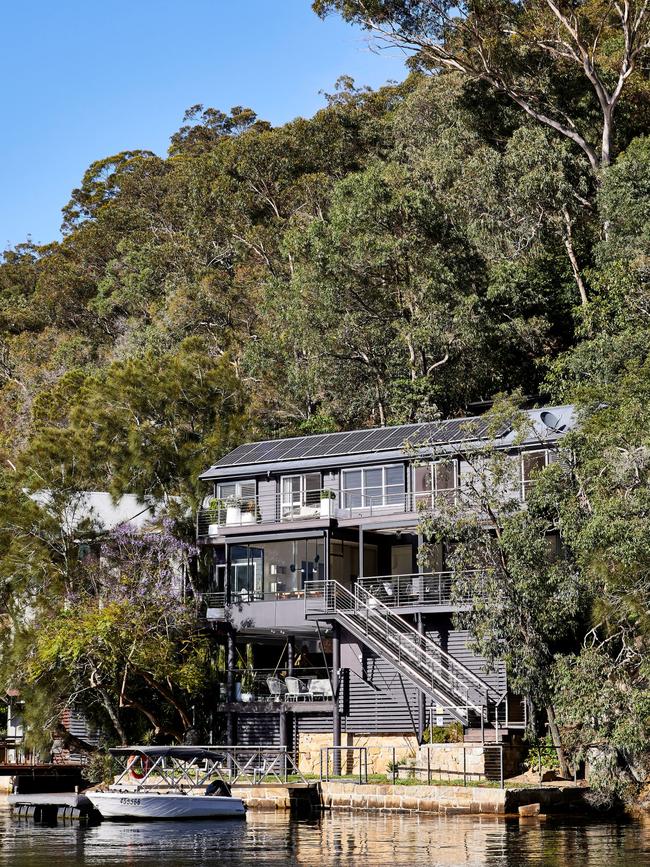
(345, 839)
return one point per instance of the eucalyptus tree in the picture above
(527, 596)
(544, 56)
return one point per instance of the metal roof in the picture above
(366, 441)
(319, 450)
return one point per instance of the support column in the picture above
(284, 738)
(422, 699)
(361, 564)
(291, 644)
(230, 685)
(336, 716)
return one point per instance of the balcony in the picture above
(318, 506)
(269, 689)
(416, 590)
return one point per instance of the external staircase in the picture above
(417, 657)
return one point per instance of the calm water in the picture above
(333, 839)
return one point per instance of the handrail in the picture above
(414, 588)
(412, 648)
(322, 504)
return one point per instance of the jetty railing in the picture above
(237, 765)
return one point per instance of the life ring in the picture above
(138, 772)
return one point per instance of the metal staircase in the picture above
(423, 662)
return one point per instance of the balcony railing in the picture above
(276, 685)
(220, 598)
(320, 505)
(418, 588)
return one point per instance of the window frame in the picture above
(288, 506)
(526, 483)
(238, 483)
(435, 494)
(362, 489)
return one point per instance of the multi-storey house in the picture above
(334, 628)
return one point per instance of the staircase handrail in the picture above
(423, 650)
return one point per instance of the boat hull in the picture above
(136, 805)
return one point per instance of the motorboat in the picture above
(167, 783)
(115, 804)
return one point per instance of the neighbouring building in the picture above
(334, 633)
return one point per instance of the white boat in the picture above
(181, 771)
(154, 805)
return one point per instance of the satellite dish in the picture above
(551, 421)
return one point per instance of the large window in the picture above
(246, 573)
(435, 483)
(300, 495)
(275, 570)
(532, 463)
(373, 487)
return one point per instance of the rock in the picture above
(529, 810)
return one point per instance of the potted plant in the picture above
(216, 509)
(233, 510)
(327, 498)
(248, 512)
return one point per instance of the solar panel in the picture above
(358, 442)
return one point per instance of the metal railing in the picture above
(279, 685)
(423, 661)
(323, 505)
(221, 598)
(345, 753)
(256, 765)
(416, 588)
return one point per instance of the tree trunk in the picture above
(565, 771)
(114, 716)
(568, 244)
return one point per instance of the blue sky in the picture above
(87, 78)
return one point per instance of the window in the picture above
(532, 463)
(246, 567)
(236, 490)
(435, 483)
(373, 486)
(231, 494)
(300, 495)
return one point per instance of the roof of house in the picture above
(329, 449)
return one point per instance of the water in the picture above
(339, 838)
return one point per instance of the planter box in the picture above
(248, 517)
(213, 529)
(233, 515)
(327, 508)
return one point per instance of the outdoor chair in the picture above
(276, 688)
(320, 689)
(295, 689)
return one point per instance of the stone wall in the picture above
(451, 799)
(441, 760)
(381, 750)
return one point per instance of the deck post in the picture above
(284, 740)
(230, 685)
(422, 711)
(290, 652)
(336, 716)
(361, 563)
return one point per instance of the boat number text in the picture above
(131, 802)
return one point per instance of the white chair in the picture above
(295, 689)
(276, 688)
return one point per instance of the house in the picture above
(312, 545)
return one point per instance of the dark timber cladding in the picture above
(305, 568)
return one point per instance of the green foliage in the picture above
(542, 755)
(401, 254)
(449, 734)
